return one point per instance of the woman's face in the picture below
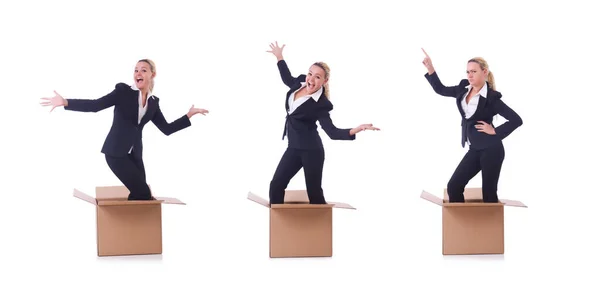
(475, 74)
(315, 79)
(142, 75)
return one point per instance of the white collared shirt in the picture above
(141, 109)
(295, 104)
(471, 107)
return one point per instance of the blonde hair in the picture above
(325, 68)
(152, 69)
(484, 66)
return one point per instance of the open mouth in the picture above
(139, 80)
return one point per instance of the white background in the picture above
(212, 54)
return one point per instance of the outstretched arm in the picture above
(183, 122)
(332, 131)
(83, 105)
(341, 134)
(169, 128)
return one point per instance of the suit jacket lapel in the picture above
(459, 102)
(297, 86)
(149, 111)
(480, 106)
(306, 105)
(482, 102)
(135, 99)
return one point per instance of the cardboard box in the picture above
(126, 227)
(297, 228)
(472, 227)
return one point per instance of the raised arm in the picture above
(434, 80)
(440, 89)
(284, 71)
(285, 74)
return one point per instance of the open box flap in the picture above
(342, 205)
(515, 203)
(84, 197)
(170, 200)
(258, 199)
(431, 198)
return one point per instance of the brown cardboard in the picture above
(297, 228)
(126, 227)
(472, 227)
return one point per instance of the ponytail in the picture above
(491, 80)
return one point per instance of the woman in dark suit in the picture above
(478, 102)
(306, 102)
(134, 107)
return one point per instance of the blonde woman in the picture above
(134, 107)
(478, 102)
(306, 102)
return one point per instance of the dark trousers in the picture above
(489, 162)
(291, 162)
(131, 173)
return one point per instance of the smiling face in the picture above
(143, 75)
(315, 79)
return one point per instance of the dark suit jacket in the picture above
(300, 125)
(125, 131)
(486, 109)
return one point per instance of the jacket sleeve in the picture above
(440, 89)
(331, 130)
(96, 105)
(513, 120)
(169, 128)
(286, 75)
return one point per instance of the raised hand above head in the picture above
(276, 50)
(427, 63)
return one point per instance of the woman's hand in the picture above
(485, 128)
(427, 63)
(194, 111)
(277, 51)
(363, 127)
(56, 101)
